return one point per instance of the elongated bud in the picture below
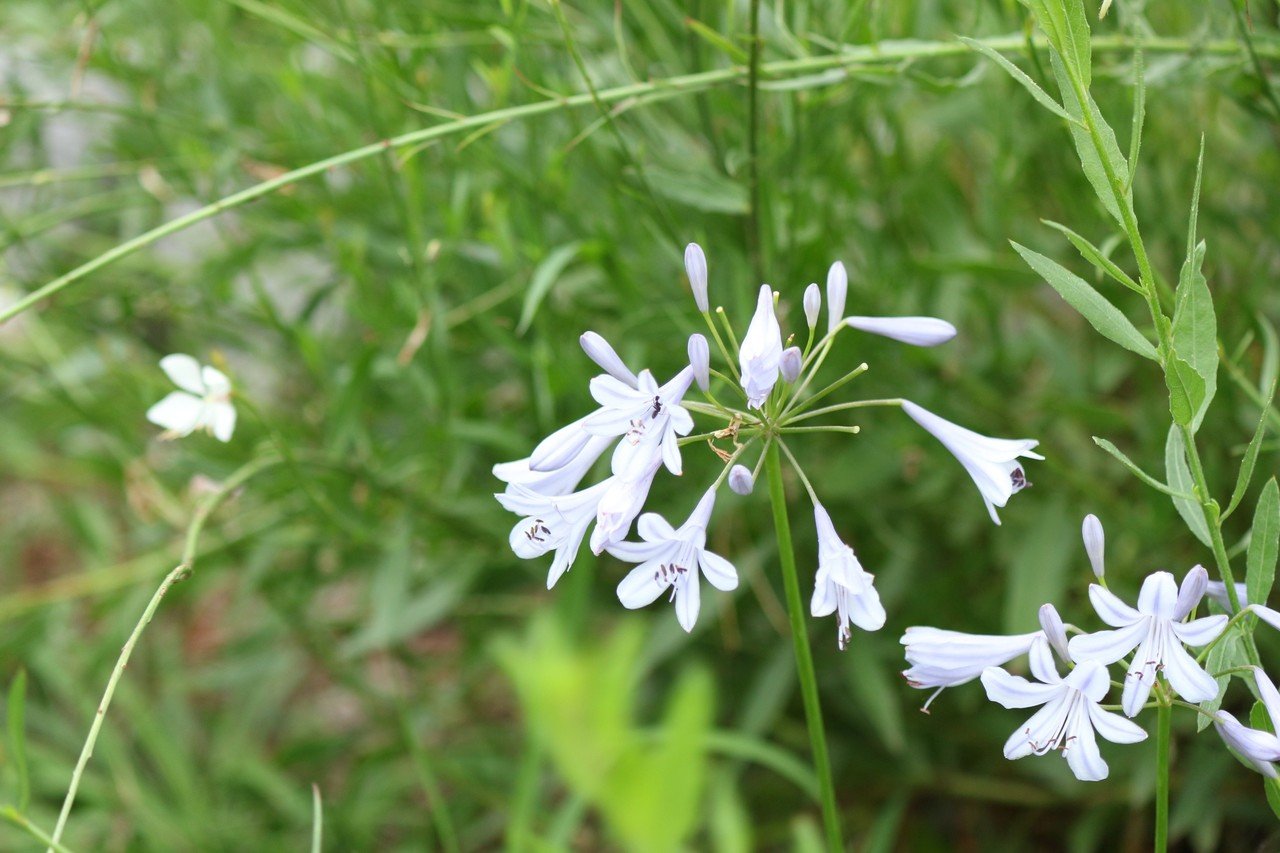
(792, 361)
(917, 331)
(599, 351)
(700, 360)
(837, 289)
(812, 304)
(1191, 591)
(1094, 542)
(1054, 631)
(695, 266)
(740, 480)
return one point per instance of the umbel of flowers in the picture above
(1150, 646)
(758, 398)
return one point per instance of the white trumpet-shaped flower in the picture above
(1070, 717)
(552, 523)
(557, 481)
(621, 503)
(650, 417)
(670, 559)
(203, 403)
(991, 462)
(941, 658)
(842, 586)
(917, 331)
(1157, 631)
(1261, 749)
(760, 355)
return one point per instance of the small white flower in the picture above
(203, 403)
(837, 290)
(917, 331)
(1070, 717)
(1260, 748)
(791, 363)
(670, 560)
(761, 352)
(740, 480)
(557, 481)
(943, 659)
(552, 523)
(621, 503)
(991, 462)
(842, 586)
(650, 417)
(1094, 544)
(700, 360)
(602, 353)
(812, 304)
(695, 266)
(1157, 631)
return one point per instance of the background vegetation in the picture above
(355, 619)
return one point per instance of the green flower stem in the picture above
(796, 406)
(1164, 714)
(840, 407)
(184, 567)
(724, 351)
(650, 91)
(800, 643)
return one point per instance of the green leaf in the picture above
(1179, 477)
(1195, 325)
(1139, 113)
(1119, 455)
(15, 720)
(1264, 545)
(1270, 355)
(1260, 719)
(1018, 74)
(1251, 453)
(1226, 653)
(1091, 304)
(1186, 390)
(702, 190)
(545, 275)
(1090, 161)
(717, 40)
(1095, 256)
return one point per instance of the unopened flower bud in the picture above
(1054, 631)
(837, 289)
(1094, 541)
(700, 360)
(740, 480)
(695, 266)
(791, 363)
(917, 331)
(812, 304)
(599, 351)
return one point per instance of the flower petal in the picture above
(1110, 608)
(719, 572)
(1014, 691)
(688, 601)
(1190, 592)
(1186, 677)
(222, 418)
(639, 588)
(1159, 595)
(178, 411)
(216, 383)
(1200, 632)
(1081, 750)
(1041, 660)
(183, 371)
(1114, 727)
(1107, 647)
(917, 331)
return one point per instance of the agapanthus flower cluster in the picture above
(643, 424)
(1151, 645)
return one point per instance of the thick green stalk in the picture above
(800, 643)
(1164, 713)
(852, 56)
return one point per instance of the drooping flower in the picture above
(203, 403)
(695, 266)
(761, 353)
(842, 586)
(991, 462)
(837, 290)
(1261, 749)
(1094, 544)
(670, 559)
(1157, 631)
(917, 331)
(1071, 715)
(552, 523)
(557, 481)
(650, 417)
(941, 658)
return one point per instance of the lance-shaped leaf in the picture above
(1195, 326)
(1186, 390)
(1091, 304)
(1041, 96)
(1179, 477)
(1099, 167)
(1251, 453)
(1264, 545)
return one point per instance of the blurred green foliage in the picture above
(404, 322)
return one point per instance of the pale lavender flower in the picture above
(791, 363)
(761, 352)
(837, 291)
(812, 304)
(700, 361)
(695, 266)
(670, 559)
(842, 586)
(740, 480)
(1261, 749)
(650, 417)
(552, 523)
(917, 331)
(599, 351)
(557, 481)
(621, 503)
(1094, 544)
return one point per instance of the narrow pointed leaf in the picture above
(545, 275)
(16, 723)
(1095, 256)
(1041, 96)
(1124, 460)
(1093, 164)
(1195, 325)
(1264, 545)
(1251, 453)
(1186, 390)
(1179, 476)
(1091, 304)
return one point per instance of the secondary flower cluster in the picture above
(1150, 642)
(643, 424)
